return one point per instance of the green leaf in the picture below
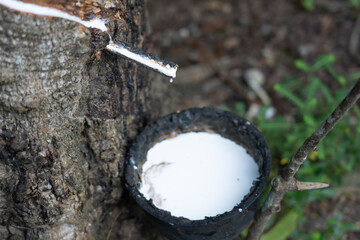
(354, 3)
(274, 125)
(302, 65)
(341, 80)
(315, 236)
(244, 233)
(312, 87)
(283, 228)
(225, 108)
(322, 62)
(308, 4)
(240, 108)
(354, 76)
(286, 93)
(321, 151)
(309, 120)
(327, 94)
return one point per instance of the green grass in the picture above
(335, 228)
(310, 5)
(312, 101)
(354, 3)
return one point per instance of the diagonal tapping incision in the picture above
(167, 68)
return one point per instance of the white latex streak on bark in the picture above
(97, 23)
(52, 12)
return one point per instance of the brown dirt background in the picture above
(215, 42)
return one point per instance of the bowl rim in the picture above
(163, 215)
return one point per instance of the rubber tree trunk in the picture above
(68, 110)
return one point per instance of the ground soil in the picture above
(216, 42)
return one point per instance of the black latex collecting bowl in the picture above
(228, 125)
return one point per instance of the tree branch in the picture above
(285, 180)
(310, 143)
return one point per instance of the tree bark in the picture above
(68, 111)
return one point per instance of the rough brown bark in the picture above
(68, 110)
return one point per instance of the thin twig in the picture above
(285, 180)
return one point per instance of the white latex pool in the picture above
(197, 175)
